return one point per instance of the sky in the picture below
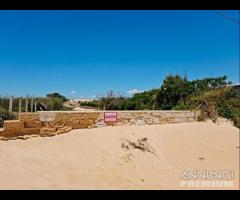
(87, 53)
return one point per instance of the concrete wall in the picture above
(58, 122)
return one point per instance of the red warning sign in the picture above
(110, 117)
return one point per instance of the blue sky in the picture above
(91, 52)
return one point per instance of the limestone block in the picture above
(30, 131)
(64, 129)
(153, 120)
(140, 122)
(137, 115)
(47, 116)
(122, 121)
(180, 119)
(91, 115)
(62, 116)
(10, 133)
(77, 116)
(190, 119)
(28, 117)
(87, 122)
(160, 115)
(48, 124)
(121, 115)
(75, 124)
(58, 122)
(32, 124)
(132, 121)
(170, 114)
(68, 123)
(45, 131)
(13, 124)
(128, 116)
(19, 132)
(170, 119)
(83, 124)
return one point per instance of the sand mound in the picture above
(140, 144)
(122, 157)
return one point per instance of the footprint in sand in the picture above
(105, 156)
(128, 157)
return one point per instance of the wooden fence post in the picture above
(10, 104)
(35, 106)
(26, 106)
(32, 104)
(20, 105)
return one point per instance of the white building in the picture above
(79, 100)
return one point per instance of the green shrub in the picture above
(90, 103)
(182, 106)
(5, 115)
(230, 109)
(217, 102)
(54, 101)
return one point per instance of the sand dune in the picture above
(124, 157)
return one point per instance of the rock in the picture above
(46, 131)
(33, 124)
(132, 121)
(140, 122)
(62, 130)
(100, 124)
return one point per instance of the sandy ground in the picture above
(103, 158)
(76, 107)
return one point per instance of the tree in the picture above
(144, 100)
(54, 101)
(57, 95)
(173, 90)
(197, 86)
(176, 90)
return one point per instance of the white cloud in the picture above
(134, 91)
(73, 92)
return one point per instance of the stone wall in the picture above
(57, 122)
